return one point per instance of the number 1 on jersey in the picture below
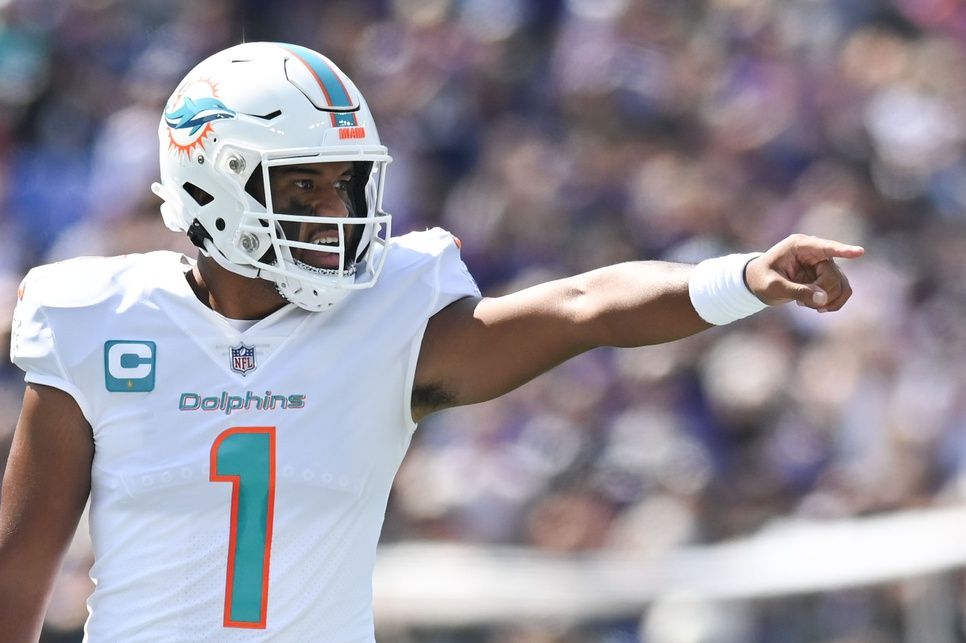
(245, 457)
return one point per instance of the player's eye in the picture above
(303, 184)
(342, 185)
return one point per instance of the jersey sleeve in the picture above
(452, 279)
(431, 258)
(34, 343)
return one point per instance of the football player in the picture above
(237, 419)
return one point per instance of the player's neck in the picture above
(231, 295)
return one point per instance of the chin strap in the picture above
(173, 214)
(245, 271)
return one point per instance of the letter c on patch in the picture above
(129, 366)
(129, 361)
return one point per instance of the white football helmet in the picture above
(248, 109)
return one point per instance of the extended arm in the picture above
(478, 349)
(45, 487)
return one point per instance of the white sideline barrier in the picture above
(434, 585)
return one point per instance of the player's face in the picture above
(322, 190)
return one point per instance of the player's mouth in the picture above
(324, 238)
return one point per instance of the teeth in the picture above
(326, 240)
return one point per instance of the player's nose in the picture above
(330, 205)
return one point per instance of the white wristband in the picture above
(718, 290)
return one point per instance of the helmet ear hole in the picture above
(200, 196)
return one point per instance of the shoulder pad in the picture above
(76, 283)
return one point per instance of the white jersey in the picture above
(240, 479)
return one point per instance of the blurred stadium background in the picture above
(794, 478)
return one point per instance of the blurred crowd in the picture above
(553, 137)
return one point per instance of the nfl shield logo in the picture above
(243, 359)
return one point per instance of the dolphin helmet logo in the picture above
(191, 115)
(194, 113)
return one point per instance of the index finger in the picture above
(828, 248)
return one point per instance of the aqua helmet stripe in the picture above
(335, 92)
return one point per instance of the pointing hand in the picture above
(802, 268)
